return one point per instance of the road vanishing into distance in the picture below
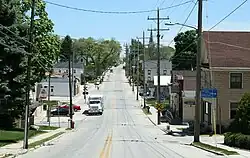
(123, 131)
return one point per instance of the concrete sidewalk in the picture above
(216, 140)
(15, 149)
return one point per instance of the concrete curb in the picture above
(211, 151)
(8, 155)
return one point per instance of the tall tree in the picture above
(46, 43)
(12, 64)
(66, 48)
(98, 54)
(184, 57)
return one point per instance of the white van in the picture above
(95, 103)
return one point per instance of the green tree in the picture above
(241, 122)
(184, 57)
(12, 64)
(66, 48)
(46, 43)
(98, 54)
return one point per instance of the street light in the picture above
(171, 24)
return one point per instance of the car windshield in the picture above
(94, 102)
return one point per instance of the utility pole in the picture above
(138, 70)
(158, 60)
(126, 60)
(198, 76)
(27, 98)
(144, 70)
(70, 92)
(73, 73)
(133, 71)
(49, 105)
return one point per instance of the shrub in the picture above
(237, 140)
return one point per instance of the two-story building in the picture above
(228, 56)
(61, 68)
(151, 73)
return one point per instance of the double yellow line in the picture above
(105, 153)
(107, 146)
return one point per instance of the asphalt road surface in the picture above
(123, 131)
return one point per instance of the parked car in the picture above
(75, 107)
(60, 111)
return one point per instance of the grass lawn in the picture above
(42, 128)
(213, 148)
(32, 145)
(15, 135)
(51, 103)
(146, 111)
(152, 102)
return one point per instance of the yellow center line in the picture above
(109, 146)
(104, 148)
(105, 153)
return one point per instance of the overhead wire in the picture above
(21, 38)
(190, 13)
(220, 21)
(115, 12)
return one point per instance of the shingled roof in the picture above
(228, 48)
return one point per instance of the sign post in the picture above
(211, 93)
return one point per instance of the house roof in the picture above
(228, 48)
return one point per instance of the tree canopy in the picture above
(184, 57)
(14, 28)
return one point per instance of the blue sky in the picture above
(124, 27)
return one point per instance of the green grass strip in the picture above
(39, 142)
(213, 148)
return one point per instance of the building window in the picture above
(233, 108)
(149, 72)
(149, 78)
(51, 90)
(74, 70)
(67, 71)
(45, 86)
(236, 80)
(164, 72)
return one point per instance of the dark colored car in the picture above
(60, 111)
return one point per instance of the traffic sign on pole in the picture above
(209, 93)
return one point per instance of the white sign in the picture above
(43, 94)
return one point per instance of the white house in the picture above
(61, 68)
(59, 86)
(151, 69)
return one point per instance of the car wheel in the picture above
(75, 110)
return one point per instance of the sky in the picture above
(123, 27)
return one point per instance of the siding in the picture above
(225, 94)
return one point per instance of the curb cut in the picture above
(211, 151)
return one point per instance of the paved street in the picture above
(123, 131)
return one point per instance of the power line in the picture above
(228, 15)
(190, 13)
(224, 18)
(116, 12)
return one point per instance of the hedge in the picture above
(237, 140)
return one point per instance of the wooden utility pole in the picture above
(27, 97)
(49, 105)
(158, 58)
(70, 92)
(198, 77)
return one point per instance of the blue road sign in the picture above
(209, 93)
